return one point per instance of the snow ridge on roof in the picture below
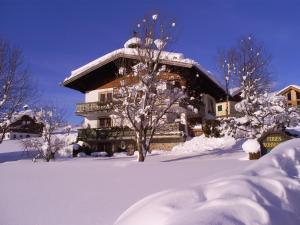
(165, 55)
(289, 86)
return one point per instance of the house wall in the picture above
(93, 96)
(231, 109)
(223, 111)
(19, 135)
(90, 122)
(294, 101)
(210, 106)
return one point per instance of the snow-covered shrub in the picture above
(211, 128)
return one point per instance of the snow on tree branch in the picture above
(146, 99)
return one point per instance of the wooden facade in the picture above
(292, 94)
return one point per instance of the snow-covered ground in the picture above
(267, 192)
(98, 190)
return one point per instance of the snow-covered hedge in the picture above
(267, 192)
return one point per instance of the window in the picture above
(25, 122)
(109, 97)
(102, 97)
(289, 96)
(104, 122)
(220, 108)
(298, 95)
(106, 97)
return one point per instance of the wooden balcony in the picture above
(119, 133)
(98, 134)
(85, 108)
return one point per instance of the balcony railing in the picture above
(101, 134)
(95, 134)
(93, 107)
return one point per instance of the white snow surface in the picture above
(251, 146)
(202, 144)
(267, 192)
(96, 190)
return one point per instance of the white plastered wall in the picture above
(93, 96)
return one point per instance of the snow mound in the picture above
(202, 144)
(251, 146)
(267, 192)
(294, 131)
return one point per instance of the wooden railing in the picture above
(123, 132)
(93, 107)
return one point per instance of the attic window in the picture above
(289, 96)
(298, 95)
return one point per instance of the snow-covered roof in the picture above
(128, 52)
(133, 42)
(19, 115)
(290, 86)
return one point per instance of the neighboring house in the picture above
(100, 81)
(24, 125)
(221, 107)
(292, 93)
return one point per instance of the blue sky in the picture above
(59, 36)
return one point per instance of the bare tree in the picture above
(248, 58)
(48, 144)
(16, 87)
(146, 96)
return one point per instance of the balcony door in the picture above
(104, 122)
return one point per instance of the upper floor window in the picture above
(298, 95)
(24, 122)
(106, 97)
(289, 96)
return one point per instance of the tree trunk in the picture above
(141, 157)
(141, 150)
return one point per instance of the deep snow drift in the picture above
(267, 192)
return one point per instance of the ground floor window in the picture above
(220, 108)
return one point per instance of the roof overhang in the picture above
(89, 76)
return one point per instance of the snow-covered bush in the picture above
(211, 128)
